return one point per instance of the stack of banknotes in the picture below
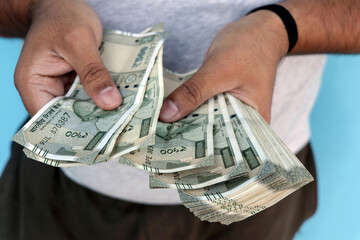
(224, 159)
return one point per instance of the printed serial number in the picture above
(61, 122)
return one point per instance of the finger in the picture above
(85, 58)
(191, 94)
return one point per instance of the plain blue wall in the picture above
(335, 137)
(12, 110)
(335, 124)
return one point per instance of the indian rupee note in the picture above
(51, 162)
(73, 128)
(228, 163)
(225, 204)
(182, 145)
(140, 131)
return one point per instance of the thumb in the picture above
(96, 80)
(190, 95)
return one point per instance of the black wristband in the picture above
(287, 19)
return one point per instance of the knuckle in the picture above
(93, 73)
(191, 92)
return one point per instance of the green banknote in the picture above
(140, 131)
(239, 198)
(73, 128)
(51, 162)
(141, 128)
(227, 156)
(179, 146)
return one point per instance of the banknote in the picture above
(72, 127)
(247, 148)
(159, 27)
(154, 74)
(51, 162)
(153, 93)
(106, 151)
(229, 162)
(263, 163)
(295, 173)
(220, 194)
(181, 145)
(142, 128)
(240, 198)
(140, 131)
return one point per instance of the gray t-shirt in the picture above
(192, 26)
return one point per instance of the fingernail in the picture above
(110, 96)
(169, 110)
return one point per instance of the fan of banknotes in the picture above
(224, 159)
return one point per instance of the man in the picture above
(241, 58)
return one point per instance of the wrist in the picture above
(287, 19)
(271, 31)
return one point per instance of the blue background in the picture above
(335, 124)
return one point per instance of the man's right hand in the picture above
(64, 37)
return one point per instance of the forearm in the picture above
(326, 26)
(15, 17)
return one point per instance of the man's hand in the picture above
(241, 60)
(64, 37)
